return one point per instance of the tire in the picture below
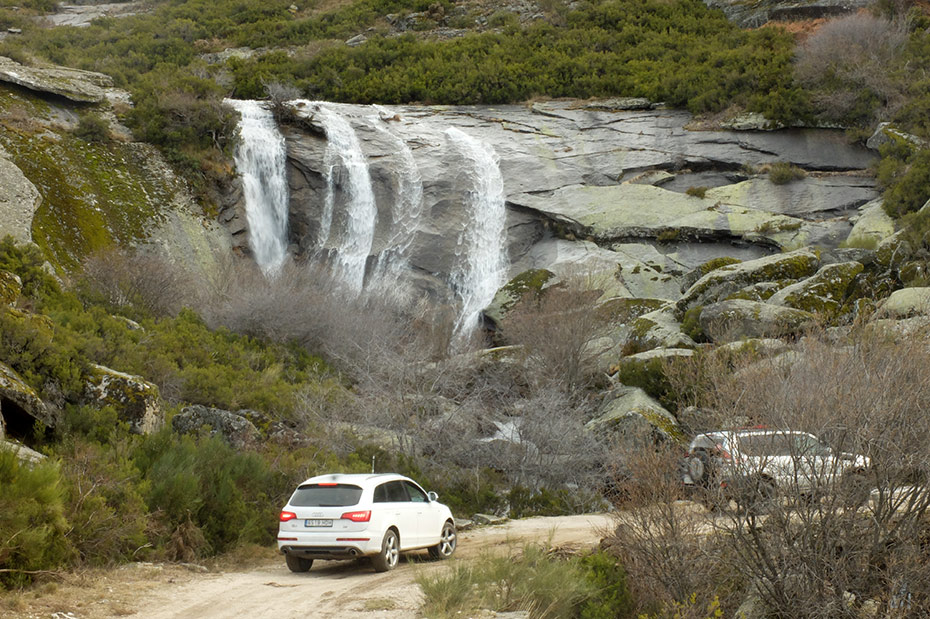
(298, 564)
(701, 464)
(386, 560)
(448, 540)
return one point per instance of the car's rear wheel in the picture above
(298, 564)
(386, 560)
(447, 542)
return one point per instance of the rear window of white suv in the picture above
(326, 495)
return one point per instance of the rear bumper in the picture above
(322, 552)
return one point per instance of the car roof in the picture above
(357, 479)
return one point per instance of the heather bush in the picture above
(33, 528)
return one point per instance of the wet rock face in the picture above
(565, 167)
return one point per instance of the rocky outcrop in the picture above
(632, 420)
(871, 227)
(19, 200)
(10, 287)
(735, 319)
(822, 293)
(23, 453)
(135, 400)
(659, 329)
(564, 165)
(728, 279)
(906, 302)
(74, 84)
(529, 283)
(20, 406)
(234, 428)
(755, 14)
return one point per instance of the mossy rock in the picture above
(736, 319)
(630, 419)
(10, 287)
(15, 390)
(906, 302)
(823, 293)
(622, 310)
(135, 399)
(893, 252)
(658, 329)
(530, 282)
(703, 269)
(762, 291)
(724, 281)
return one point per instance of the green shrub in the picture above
(529, 578)
(691, 324)
(105, 504)
(93, 128)
(203, 489)
(697, 192)
(33, 527)
(652, 377)
(612, 597)
(782, 173)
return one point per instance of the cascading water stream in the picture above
(405, 212)
(346, 167)
(481, 261)
(260, 159)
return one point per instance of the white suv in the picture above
(349, 516)
(757, 462)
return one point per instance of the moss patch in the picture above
(93, 195)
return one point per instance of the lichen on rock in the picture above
(823, 293)
(135, 399)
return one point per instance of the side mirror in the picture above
(432, 496)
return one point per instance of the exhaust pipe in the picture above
(353, 552)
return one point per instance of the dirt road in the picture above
(337, 590)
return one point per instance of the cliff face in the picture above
(73, 196)
(591, 188)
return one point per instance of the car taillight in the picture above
(363, 516)
(285, 516)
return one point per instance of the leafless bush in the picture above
(556, 329)
(279, 94)
(830, 535)
(852, 55)
(668, 547)
(125, 278)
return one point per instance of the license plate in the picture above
(318, 523)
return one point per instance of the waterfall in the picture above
(405, 212)
(346, 169)
(481, 260)
(260, 158)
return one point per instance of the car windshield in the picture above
(781, 444)
(326, 495)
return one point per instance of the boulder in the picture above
(822, 293)
(722, 282)
(632, 419)
(18, 201)
(660, 353)
(74, 84)
(10, 288)
(135, 399)
(905, 303)
(735, 319)
(234, 428)
(762, 291)
(659, 328)
(872, 226)
(20, 406)
(799, 198)
(885, 133)
(530, 282)
(23, 453)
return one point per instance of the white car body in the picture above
(348, 516)
(786, 457)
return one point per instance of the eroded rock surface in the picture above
(234, 428)
(74, 84)
(136, 400)
(19, 200)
